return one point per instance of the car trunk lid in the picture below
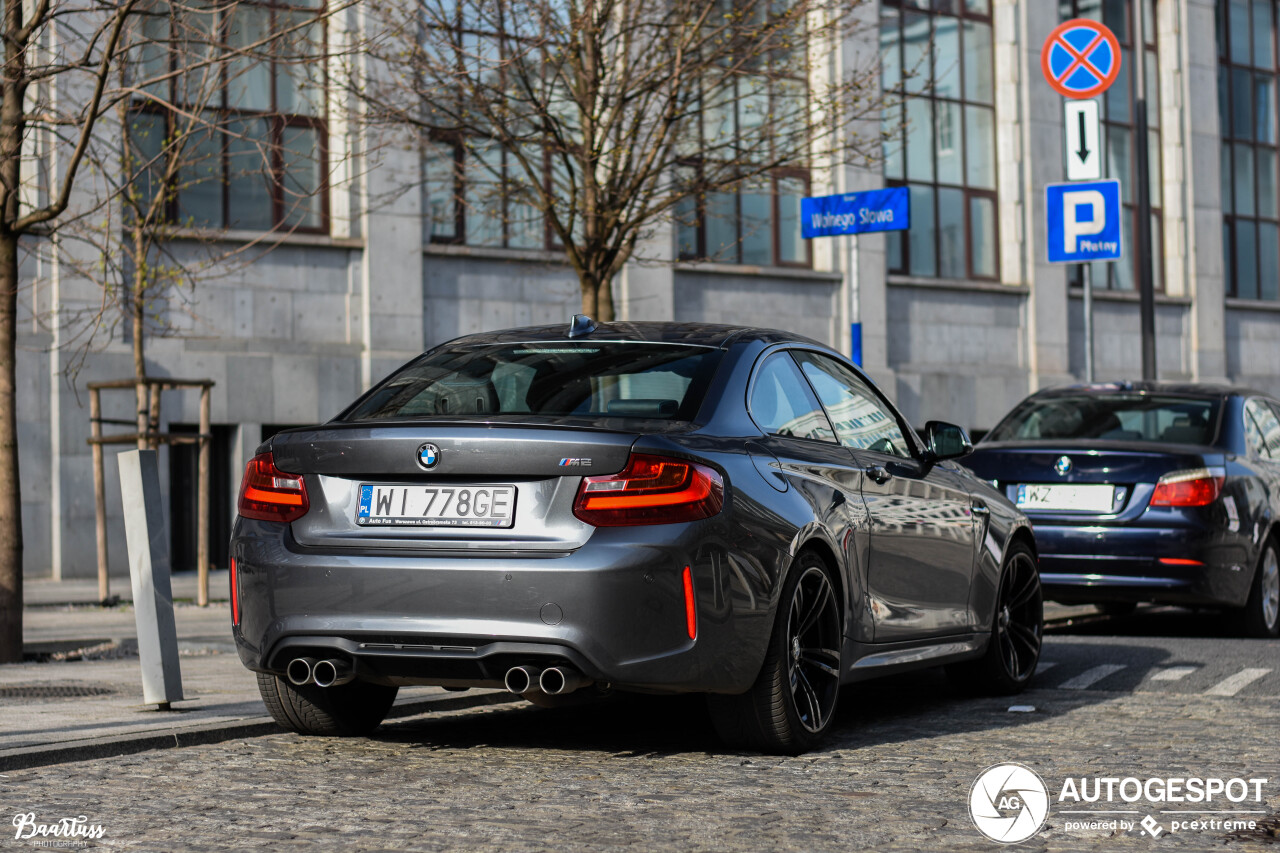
(1131, 469)
(379, 487)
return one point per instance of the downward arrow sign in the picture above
(1083, 145)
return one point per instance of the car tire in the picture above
(1261, 616)
(1017, 630)
(793, 701)
(348, 710)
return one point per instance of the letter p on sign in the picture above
(1074, 225)
(1082, 221)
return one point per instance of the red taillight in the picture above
(235, 595)
(690, 606)
(1198, 487)
(269, 494)
(650, 490)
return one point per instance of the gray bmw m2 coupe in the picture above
(653, 507)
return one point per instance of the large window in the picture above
(1118, 131)
(479, 194)
(256, 157)
(940, 135)
(1247, 116)
(759, 223)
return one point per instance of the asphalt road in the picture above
(1155, 695)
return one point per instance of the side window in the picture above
(1252, 433)
(782, 403)
(1268, 426)
(860, 419)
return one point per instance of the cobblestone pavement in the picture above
(646, 773)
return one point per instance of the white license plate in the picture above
(437, 506)
(1081, 498)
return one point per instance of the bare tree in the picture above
(602, 118)
(69, 68)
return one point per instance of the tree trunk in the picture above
(10, 484)
(590, 295)
(597, 297)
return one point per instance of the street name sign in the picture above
(887, 209)
(1083, 221)
(1084, 143)
(1080, 59)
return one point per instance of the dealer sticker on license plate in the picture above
(1080, 498)
(437, 506)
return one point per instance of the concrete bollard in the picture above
(148, 540)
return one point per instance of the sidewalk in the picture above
(86, 701)
(42, 592)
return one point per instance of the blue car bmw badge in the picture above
(1063, 466)
(428, 455)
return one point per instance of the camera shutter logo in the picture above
(1008, 803)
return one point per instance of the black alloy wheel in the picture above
(793, 701)
(813, 645)
(1017, 629)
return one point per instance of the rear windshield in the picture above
(1112, 417)
(587, 378)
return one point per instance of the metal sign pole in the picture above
(1088, 321)
(1146, 282)
(853, 309)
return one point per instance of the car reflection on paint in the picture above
(1148, 492)
(652, 507)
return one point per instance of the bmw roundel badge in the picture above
(428, 455)
(1063, 466)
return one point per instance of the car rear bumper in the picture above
(1174, 565)
(613, 609)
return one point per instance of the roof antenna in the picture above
(581, 325)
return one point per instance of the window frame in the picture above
(899, 242)
(277, 122)
(550, 241)
(699, 226)
(1231, 219)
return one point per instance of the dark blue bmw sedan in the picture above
(1148, 492)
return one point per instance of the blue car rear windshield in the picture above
(563, 378)
(1112, 417)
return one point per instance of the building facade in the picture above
(960, 317)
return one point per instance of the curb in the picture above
(25, 758)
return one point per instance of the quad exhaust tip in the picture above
(553, 681)
(300, 670)
(522, 679)
(559, 681)
(332, 672)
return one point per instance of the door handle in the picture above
(878, 473)
(979, 508)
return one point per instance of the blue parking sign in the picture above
(1083, 221)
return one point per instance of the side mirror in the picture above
(946, 441)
